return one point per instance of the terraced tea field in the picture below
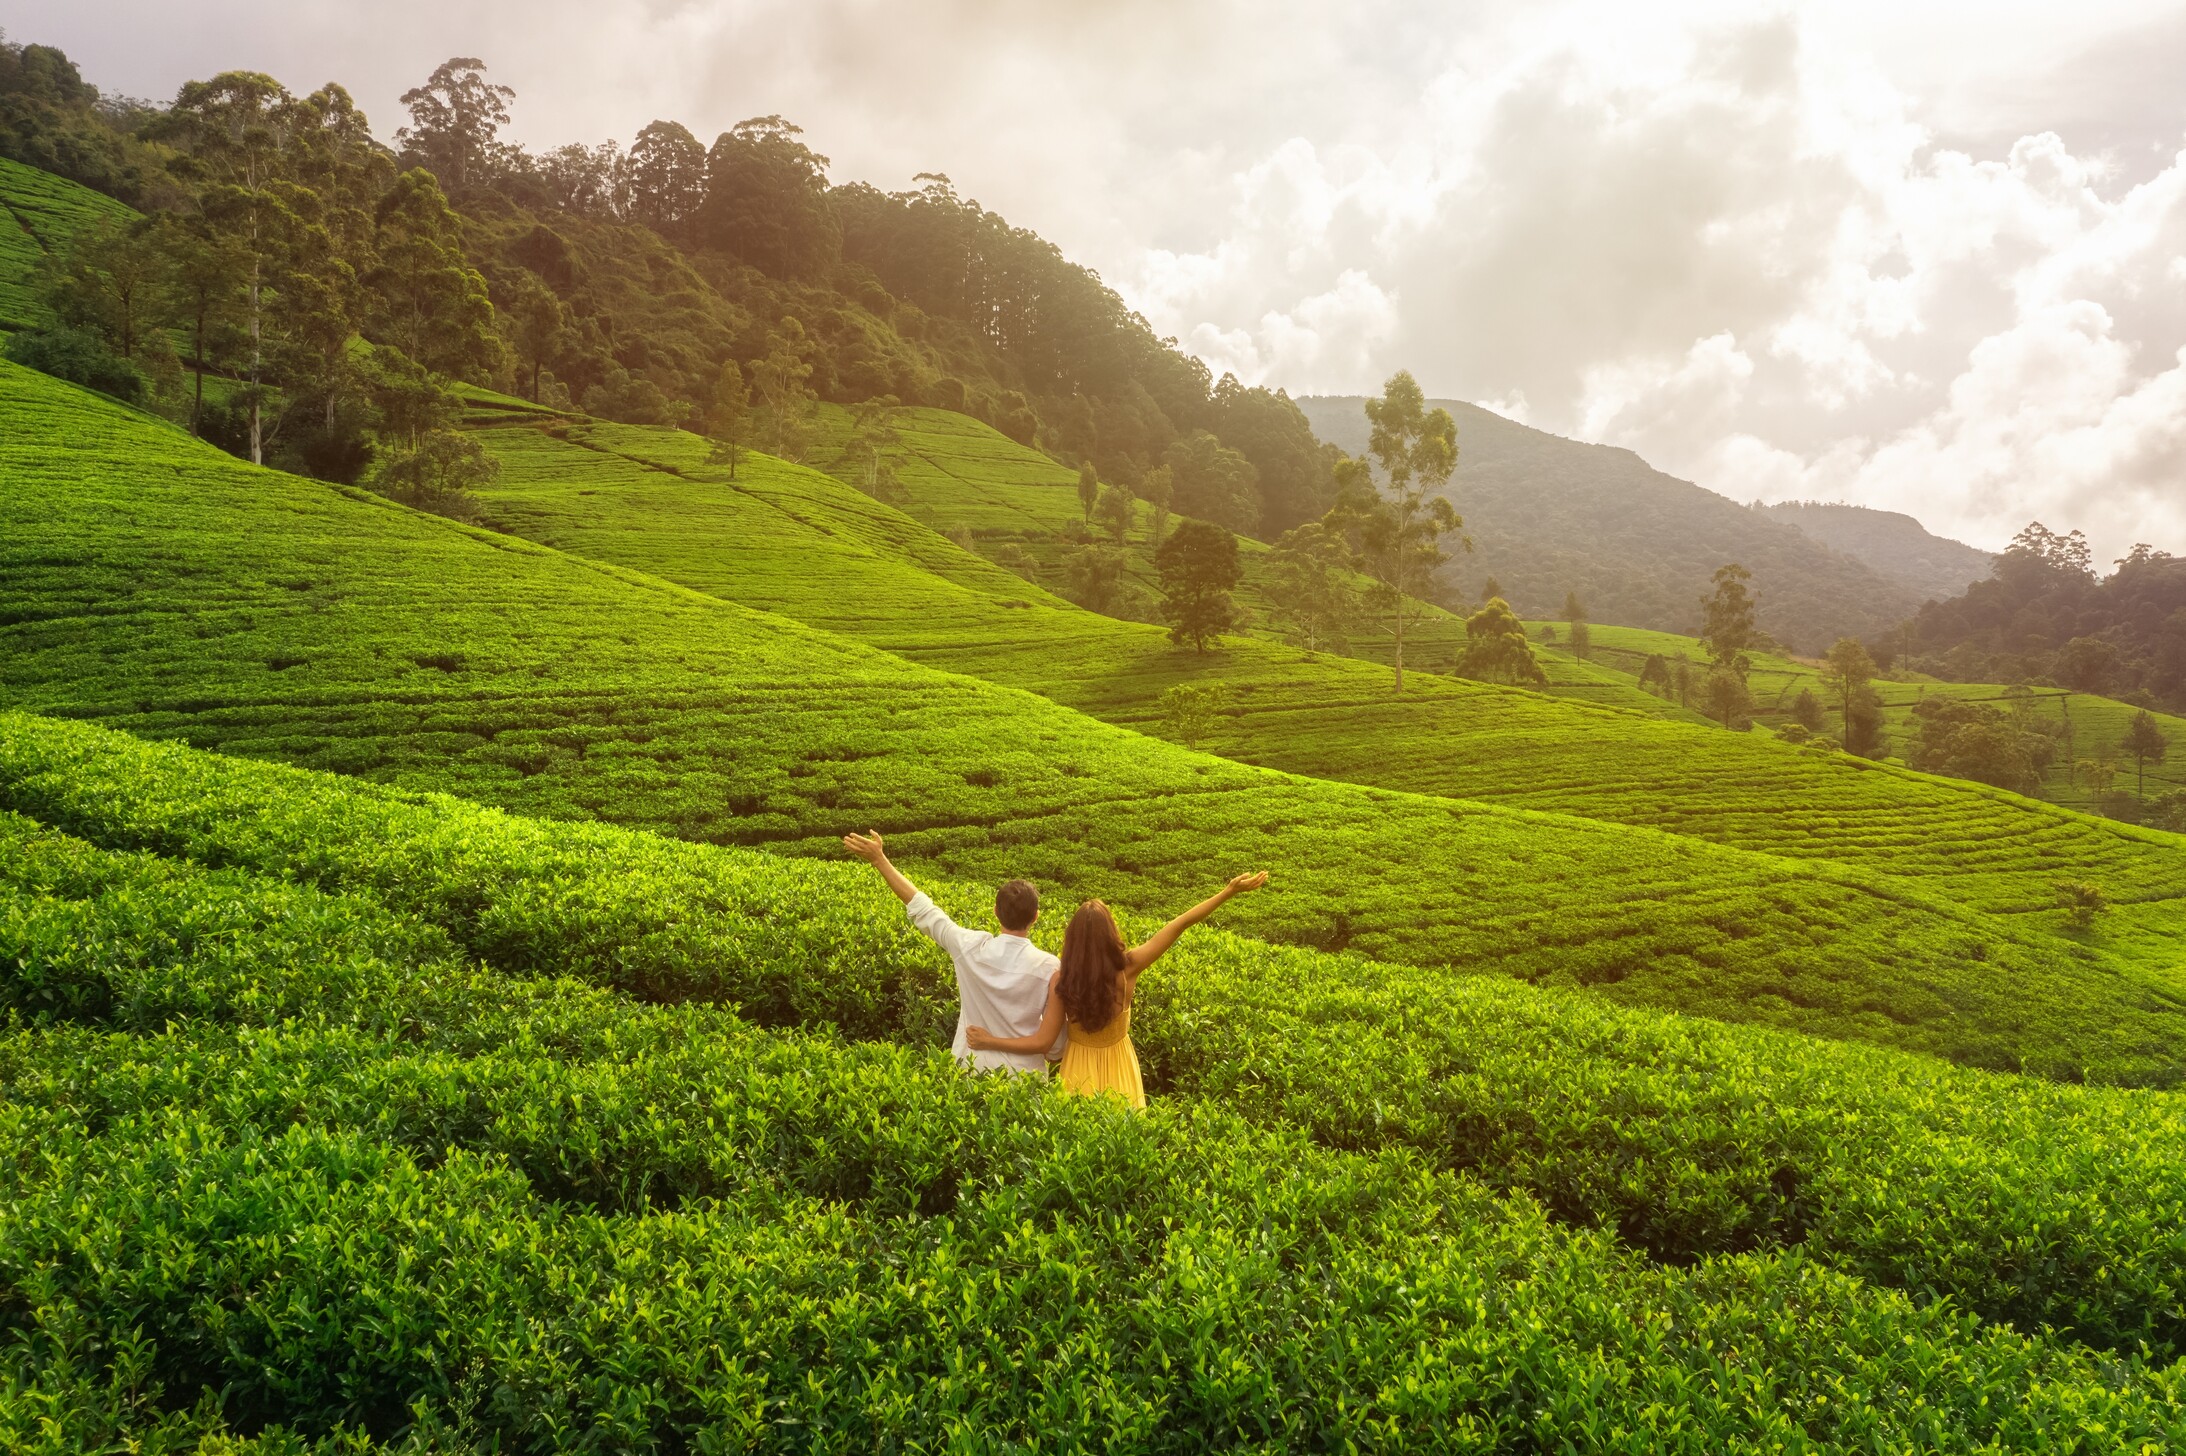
(39, 214)
(155, 584)
(2097, 723)
(294, 1058)
(787, 540)
(969, 481)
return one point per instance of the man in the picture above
(1001, 980)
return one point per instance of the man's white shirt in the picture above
(1001, 983)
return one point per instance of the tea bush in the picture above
(531, 1214)
(162, 587)
(2042, 1204)
(787, 539)
(39, 215)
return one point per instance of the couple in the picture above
(1076, 1011)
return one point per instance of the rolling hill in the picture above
(486, 1048)
(786, 540)
(39, 214)
(2090, 727)
(1549, 515)
(299, 1057)
(160, 586)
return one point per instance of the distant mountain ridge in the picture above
(1549, 515)
(1901, 548)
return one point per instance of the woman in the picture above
(1091, 994)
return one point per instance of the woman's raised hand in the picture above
(1242, 883)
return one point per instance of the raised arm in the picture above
(1051, 1027)
(1139, 957)
(868, 847)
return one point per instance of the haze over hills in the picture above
(1892, 542)
(1549, 515)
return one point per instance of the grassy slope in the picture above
(2098, 723)
(786, 540)
(288, 1073)
(164, 587)
(39, 213)
(967, 480)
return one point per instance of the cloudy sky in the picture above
(1927, 256)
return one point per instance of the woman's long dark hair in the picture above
(1092, 965)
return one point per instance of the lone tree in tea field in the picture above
(782, 382)
(873, 436)
(2148, 744)
(1846, 669)
(1575, 614)
(1189, 710)
(1496, 649)
(1089, 490)
(1314, 597)
(1115, 512)
(1724, 697)
(1728, 616)
(1199, 569)
(728, 421)
(1397, 524)
(1095, 573)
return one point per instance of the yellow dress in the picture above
(1097, 1062)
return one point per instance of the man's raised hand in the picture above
(1242, 883)
(866, 846)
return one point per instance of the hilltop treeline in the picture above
(622, 279)
(53, 119)
(2046, 615)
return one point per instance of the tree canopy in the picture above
(2046, 614)
(659, 263)
(1496, 649)
(1199, 569)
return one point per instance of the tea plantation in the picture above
(2095, 724)
(335, 1116)
(488, 1049)
(39, 213)
(158, 585)
(791, 541)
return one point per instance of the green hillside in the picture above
(1012, 504)
(2097, 724)
(160, 586)
(39, 214)
(786, 540)
(287, 1066)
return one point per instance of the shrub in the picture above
(2081, 902)
(1190, 710)
(80, 358)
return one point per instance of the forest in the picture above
(2047, 615)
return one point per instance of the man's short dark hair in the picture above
(1017, 905)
